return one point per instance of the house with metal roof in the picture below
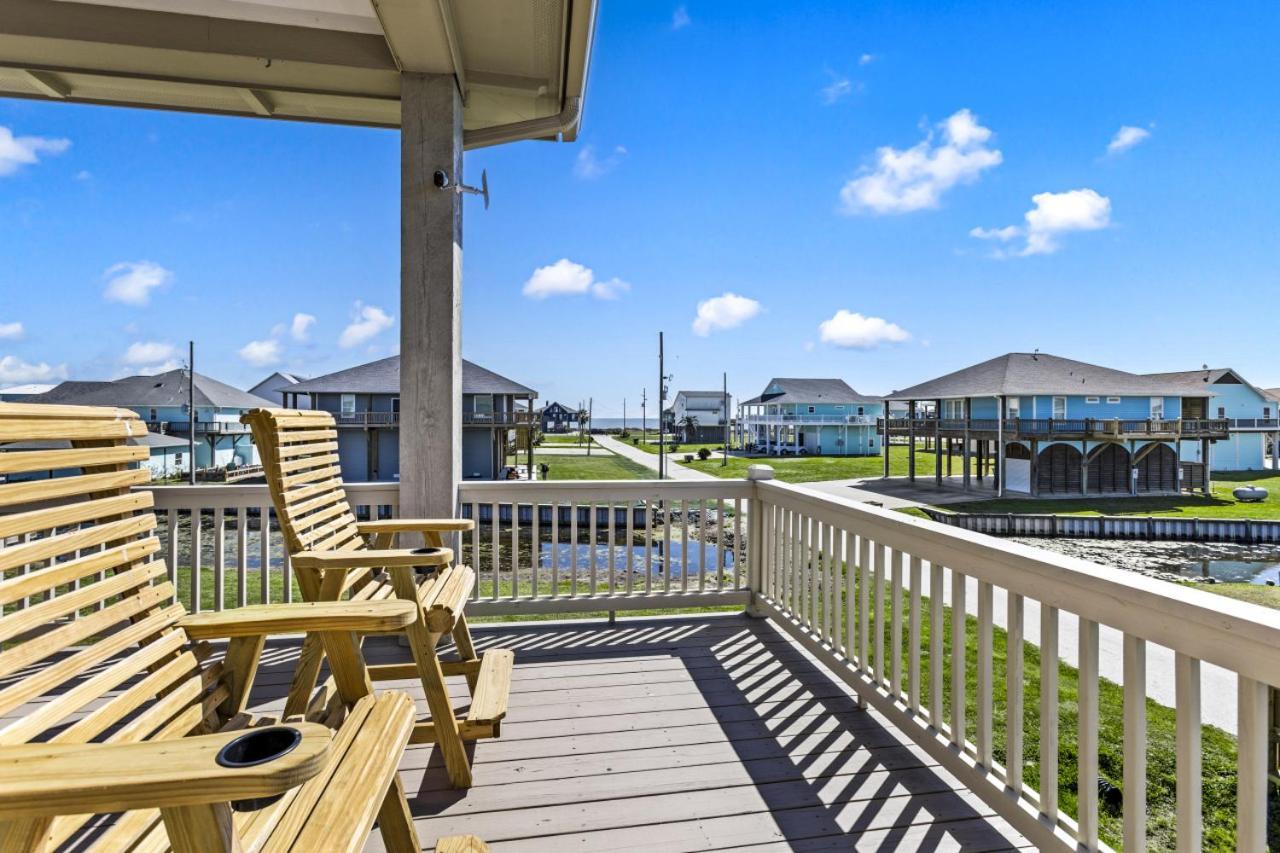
(810, 417)
(164, 402)
(497, 418)
(699, 415)
(1252, 420)
(1041, 424)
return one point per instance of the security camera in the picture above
(441, 179)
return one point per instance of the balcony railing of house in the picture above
(1260, 424)
(805, 419)
(202, 427)
(516, 418)
(367, 419)
(1042, 428)
(865, 590)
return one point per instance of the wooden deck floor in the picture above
(682, 734)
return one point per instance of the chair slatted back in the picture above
(88, 644)
(299, 453)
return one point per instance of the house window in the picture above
(1157, 408)
(1266, 411)
(812, 409)
(395, 405)
(1091, 400)
(1222, 411)
(484, 404)
(861, 411)
(1113, 400)
(1059, 408)
(348, 405)
(177, 458)
(152, 416)
(1012, 407)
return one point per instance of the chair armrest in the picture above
(373, 558)
(44, 780)
(415, 525)
(365, 617)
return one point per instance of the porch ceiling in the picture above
(333, 61)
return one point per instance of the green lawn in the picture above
(601, 465)
(1220, 505)
(808, 469)
(1254, 593)
(651, 446)
(563, 438)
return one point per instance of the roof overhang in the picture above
(521, 65)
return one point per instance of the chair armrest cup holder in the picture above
(256, 747)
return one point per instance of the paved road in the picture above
(650, 460)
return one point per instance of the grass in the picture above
(1219, 748)
(601, 466)
(1254, 593)
(563, 438)
(809, 469)
(691, 447)
(1220, 504)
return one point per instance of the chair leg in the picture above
(27, 835)
(395, 822)
(304, 676)
(466, 649)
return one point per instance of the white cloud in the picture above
(567, 278)
(19, 151)
(261, 353)
(163, 367)
(588, 165)
(915, 178)
(724, 312)
(14, 331)
(852, 330)
(300, 328)
(368, 321)
(148, 352)
(839, 87)
(131, 282)
(1053, 215)
(680, 18)
(866, 59)
(611, 289)
(1126, 137)
(15, 370)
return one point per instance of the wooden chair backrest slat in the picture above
(89, 648)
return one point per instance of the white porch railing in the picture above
(862, 588)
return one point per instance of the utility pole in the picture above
(191, 411)
(725, 408)
(590, 406)
(644, 423)
(624, 415)
(662, 397)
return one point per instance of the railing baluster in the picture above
(1049, 712)
(850, 596)
(648, 546)
(475, 550)
(515, 554)
(913, 635)
(814, 566)
(1189, 759)
(195, 560)
(793, 535)
(668, 507)
(242, 555)
(878, 570)
(1013, 689)
(984, 686)
(219, 558)
(702, 544)
(1087, 737)
(957, 658)
(835, 583)
(286, 570)
(591, 553)
(555, 549)
(171, 550)
(895, 621)
(684, 546)
(1135, 745)
(264, 553)
(864, 596)
(1251, 793)
(535, 538)
(738, 550)
(937, 632)
(613, 567)
(495, 558)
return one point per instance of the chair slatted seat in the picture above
(102, 672)
(338, 557)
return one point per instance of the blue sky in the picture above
(821, 164)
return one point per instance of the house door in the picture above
(1059, 408)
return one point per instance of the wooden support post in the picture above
(1204, 455)
(982, 459)
(430, 296)
(884, 440)
(937, 444)
(966, 450)
(1035, 468)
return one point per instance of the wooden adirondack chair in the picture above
(112, 700)
(299, 451)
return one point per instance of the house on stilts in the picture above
(1039, 424)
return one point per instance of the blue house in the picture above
(497, 418)
(161, 401)
(1253, 422)
(1040, 424)
(815, 417)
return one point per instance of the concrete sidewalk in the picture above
(650, 460)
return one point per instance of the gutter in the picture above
(539, 128)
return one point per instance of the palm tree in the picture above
(689, 424)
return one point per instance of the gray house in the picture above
(161, 400)
(557, 417)
(274, 386)
(497, 418)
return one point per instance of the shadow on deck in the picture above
(689, 733)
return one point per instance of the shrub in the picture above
(636, 441)
(704, 454)
(688, 457)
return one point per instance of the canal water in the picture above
(565, 556)
(1211, 561)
